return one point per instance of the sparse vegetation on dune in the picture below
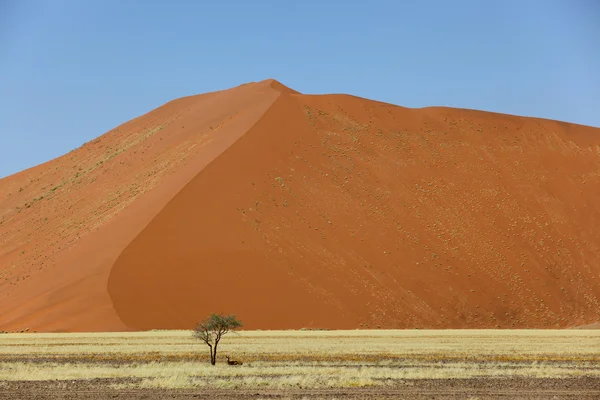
(299, 359)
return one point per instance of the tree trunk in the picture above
(215, 355)
(212, 357)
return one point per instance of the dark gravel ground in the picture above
(466, 389)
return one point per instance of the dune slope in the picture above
(295, 210)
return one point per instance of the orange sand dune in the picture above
(295, 210)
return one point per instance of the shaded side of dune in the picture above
(207, 252)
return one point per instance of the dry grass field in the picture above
(291, 361)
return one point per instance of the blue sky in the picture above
(70, 70)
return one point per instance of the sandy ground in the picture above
(294, 211)
(485, 388)
(356, 365)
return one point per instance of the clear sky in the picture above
(70, 70)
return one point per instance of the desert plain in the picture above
(365, 364)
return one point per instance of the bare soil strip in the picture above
(480, 388)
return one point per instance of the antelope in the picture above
(233, 362)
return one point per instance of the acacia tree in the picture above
(212, 329)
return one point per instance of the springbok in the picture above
(233, 362)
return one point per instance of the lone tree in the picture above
(212, 329)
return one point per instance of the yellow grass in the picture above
(280, 359)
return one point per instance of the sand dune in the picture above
(295, 210)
